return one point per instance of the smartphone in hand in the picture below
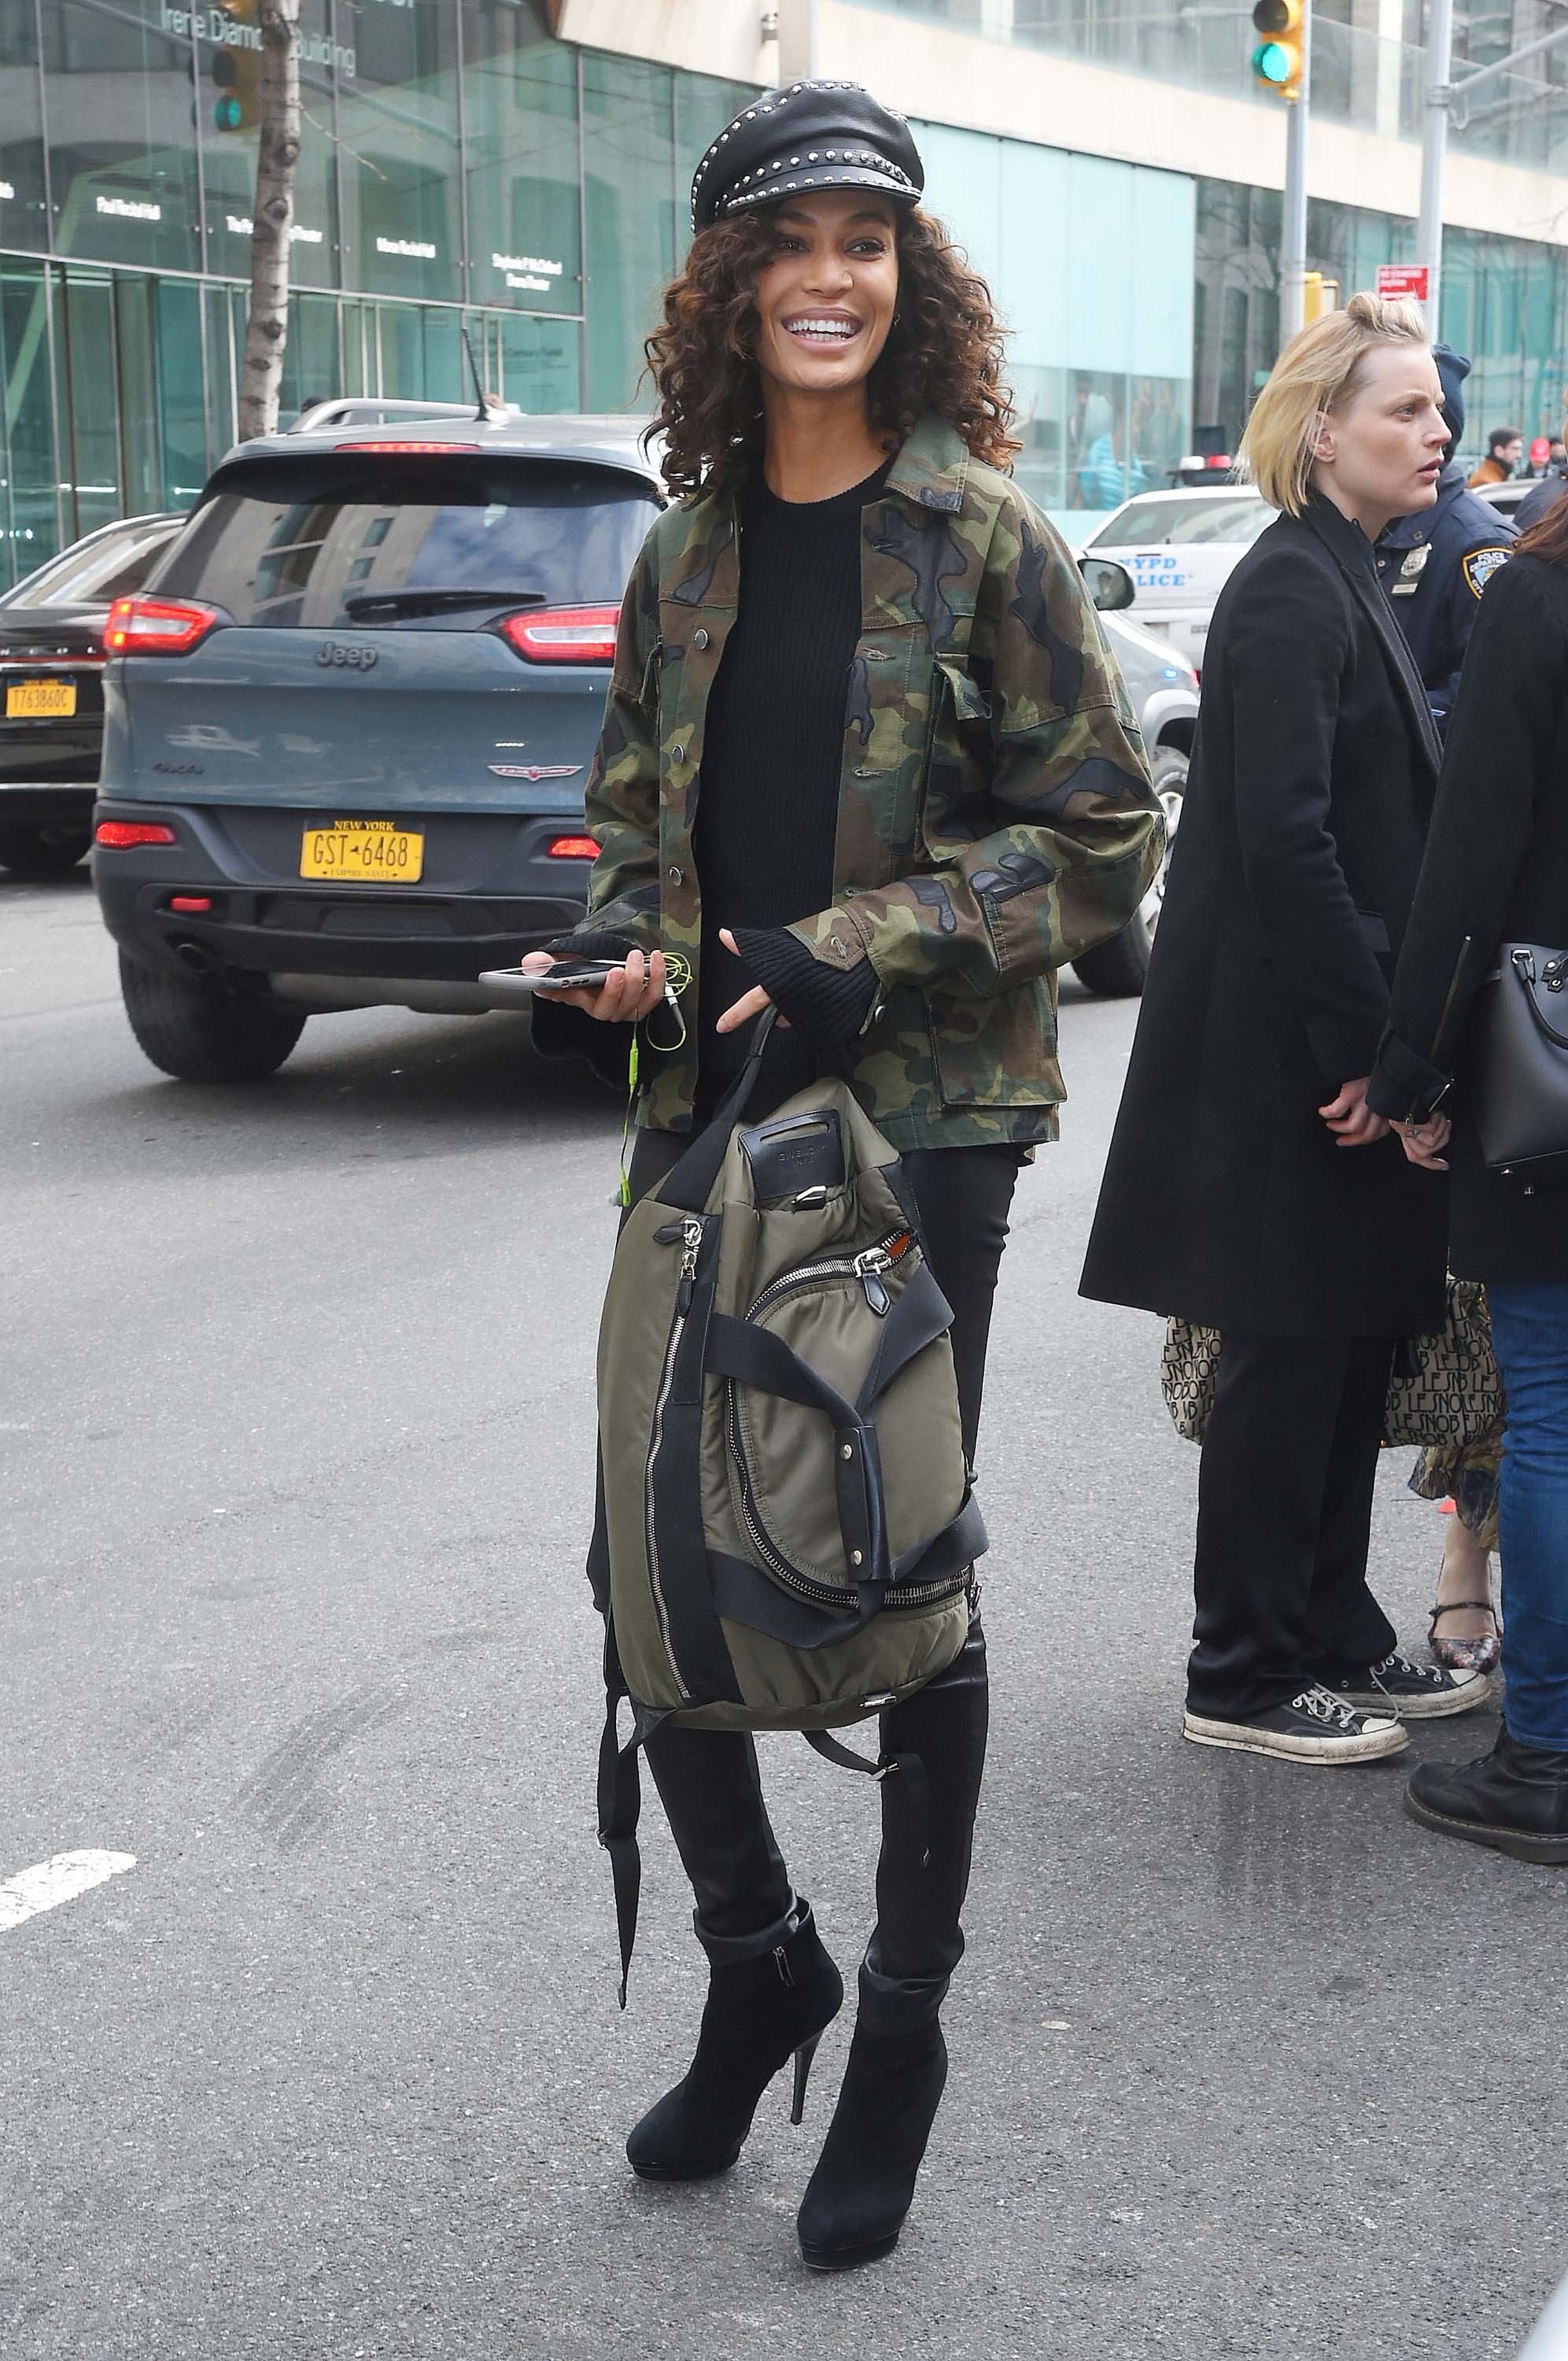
(566, 975)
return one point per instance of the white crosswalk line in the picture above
(49, 1883)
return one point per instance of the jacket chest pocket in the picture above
(959, 756)
(885, 748)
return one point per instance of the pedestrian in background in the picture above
(1505, 447)
(865, 755)
(1545, 496)
(1249, 1187)
(1497, 872)
(1435, 566)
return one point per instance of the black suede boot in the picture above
(1514, 1799)
(761, 2009)
(864, 2182)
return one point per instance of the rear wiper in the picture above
(361, 602)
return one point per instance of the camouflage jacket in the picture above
(994, 813)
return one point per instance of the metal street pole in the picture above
(1293, 225)
(1434, 149)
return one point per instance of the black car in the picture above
(350, 722)
(51, 701)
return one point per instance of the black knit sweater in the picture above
(767, 810)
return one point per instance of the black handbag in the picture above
(1517, 1064)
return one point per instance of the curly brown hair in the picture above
(943, 353)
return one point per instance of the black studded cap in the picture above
(810, 134)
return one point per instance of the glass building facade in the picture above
(1368, 58)
(1505, 303)
(459, 170)
(463, 171)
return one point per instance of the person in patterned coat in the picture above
(865, 756)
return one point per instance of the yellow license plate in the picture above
(39, 700)
(363, 853)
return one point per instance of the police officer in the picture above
(1435, 566)
(1549, 491)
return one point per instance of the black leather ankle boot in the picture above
(864, 2181)
(1514, 1799)
(759, 2012)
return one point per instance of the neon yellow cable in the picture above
(677, 977)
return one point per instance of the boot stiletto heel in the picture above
(803, 2057)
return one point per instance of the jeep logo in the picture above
(332, 651)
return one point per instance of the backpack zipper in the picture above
(689, 1232)
(868, 1268)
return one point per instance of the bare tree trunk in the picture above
(266, 323)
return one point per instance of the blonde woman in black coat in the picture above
(1249, 1186)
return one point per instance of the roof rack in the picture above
(372, 409)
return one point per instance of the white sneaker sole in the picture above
(1424, 1708)
(1247, 1738)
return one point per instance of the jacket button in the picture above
(699, 639)
(677, 753)
(677, 877)
(837, 943)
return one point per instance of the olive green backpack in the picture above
(788, 1533)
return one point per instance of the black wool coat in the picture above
(1225, 1198)
(1496, 871)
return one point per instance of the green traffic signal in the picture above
(1279, 62)
(228, 115)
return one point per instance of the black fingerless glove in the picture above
(827, 1006)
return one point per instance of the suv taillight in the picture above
(121, 835)
(564, 634)
(159, 627)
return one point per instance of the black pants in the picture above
(1284, 1519)
(708, 1780)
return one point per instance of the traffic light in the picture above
(1277, 60)
(1321, 296)
(237, 74)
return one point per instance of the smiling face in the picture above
(825, 298)
(1380, 454)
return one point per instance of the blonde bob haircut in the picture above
(1320, 369)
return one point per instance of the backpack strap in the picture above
(921, 1314)
(689, 1183)
(911, 1769)
(620, 1799)
(743, 1594)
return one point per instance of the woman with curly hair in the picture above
(865, 757)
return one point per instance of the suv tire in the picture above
(194, 1029)
(1116, 970)
(42, 851)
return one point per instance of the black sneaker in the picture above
(1419, 1691)
(1315, 1727)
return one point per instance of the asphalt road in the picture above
(295, 1422)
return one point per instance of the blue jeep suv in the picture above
(348, 721)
